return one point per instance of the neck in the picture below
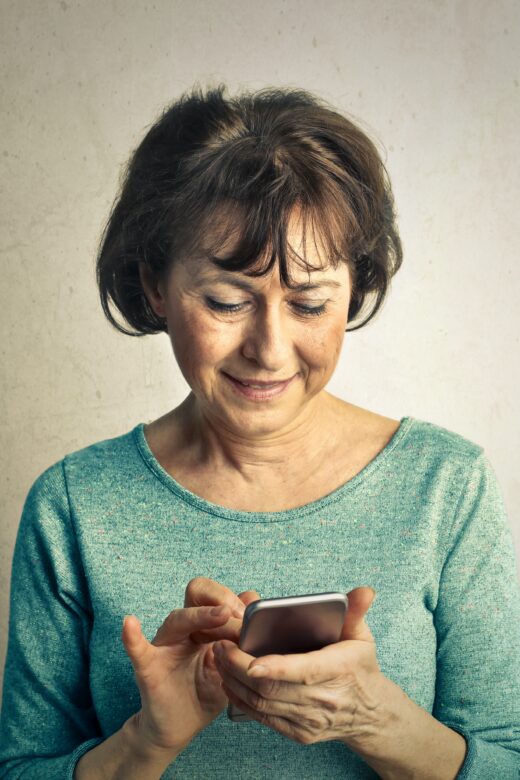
(213, 442)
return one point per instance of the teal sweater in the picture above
(107, 532)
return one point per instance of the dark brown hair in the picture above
(257, 156)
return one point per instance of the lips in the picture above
(258, 384)
(259, 394)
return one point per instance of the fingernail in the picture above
(217, 610)
(257, 671)
(239, 611)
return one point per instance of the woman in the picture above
(251, 231)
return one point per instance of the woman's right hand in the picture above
(175, 672)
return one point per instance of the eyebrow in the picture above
(235, 282)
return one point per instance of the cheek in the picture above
(323, 345)
(199, 342)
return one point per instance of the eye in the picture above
(225, 307)
(231, 308)
(312, 310)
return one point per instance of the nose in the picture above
(268, 339)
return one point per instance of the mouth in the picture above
(258, 384)
(259, 391)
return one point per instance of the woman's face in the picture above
(224, 324)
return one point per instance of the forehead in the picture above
(306, 256)
(204, 270)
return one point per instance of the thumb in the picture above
(137, 647)
(359, 602)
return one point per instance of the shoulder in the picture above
(107, 456)
(413, 433)
(425, 437)
(82, 470)
(102, 450)
(416, 448)
(437, 463)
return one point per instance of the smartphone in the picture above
(292, 624)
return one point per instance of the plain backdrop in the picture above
(435, 83)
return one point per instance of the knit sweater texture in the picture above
(107, 532)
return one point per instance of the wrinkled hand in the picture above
(175, 672)
(325, 694)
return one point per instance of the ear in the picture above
(152, 290)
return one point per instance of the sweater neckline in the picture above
(261, 517)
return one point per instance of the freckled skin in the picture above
(268, 338)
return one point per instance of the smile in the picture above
(259, 392)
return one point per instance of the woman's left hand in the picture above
(331, 693)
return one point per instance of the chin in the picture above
(262, 420)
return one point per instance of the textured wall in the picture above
(435, 82)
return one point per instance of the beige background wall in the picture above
(437, 83)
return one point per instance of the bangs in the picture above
(245, 225)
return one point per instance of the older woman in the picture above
(251, 231)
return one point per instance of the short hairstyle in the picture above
(257, 156)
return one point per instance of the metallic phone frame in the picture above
(290, 624)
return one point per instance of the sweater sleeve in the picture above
(47, 720)
(477, 620)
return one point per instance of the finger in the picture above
(355, 626)
(260, 706)
(293, 667)
(232, 667)
(180, 623)
(272, 714)
(248, 596)
(310, 668)
(229, 630)
(202, 591)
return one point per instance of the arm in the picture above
(47, 718)
(414, 746)
(48, 721)
(474, 730)
(121, 757)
